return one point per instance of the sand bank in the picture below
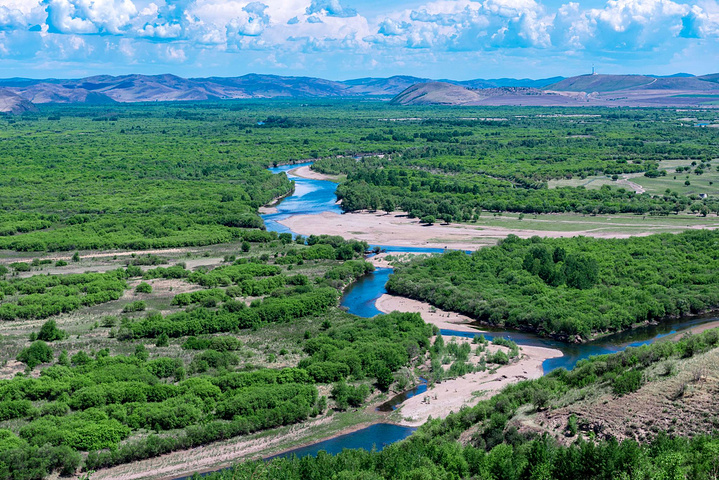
(436, 316)
(398, 230)
(307, 172)
(451, 395)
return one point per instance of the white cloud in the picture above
(176, 30)
(90, 16)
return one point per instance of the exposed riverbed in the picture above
(315, 196)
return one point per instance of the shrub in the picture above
(627, 382)
(49, 332)
(143, 287)
(137, 306)
(37, 353)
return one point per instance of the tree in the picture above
(37, 353)
(49, 332)
(581, 272)
(384, 378)
(162, 340)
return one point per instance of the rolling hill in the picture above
(13, 103)
(634, 90)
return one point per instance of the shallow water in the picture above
(394, 402)
(310, 197)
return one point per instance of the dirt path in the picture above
(634, 186)
(220, 454)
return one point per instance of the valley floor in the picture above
(399, 230)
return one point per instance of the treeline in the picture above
(233, 316)
(42, 296)
(464, 197)
(571, 287)
(496, 449)
(367, 347)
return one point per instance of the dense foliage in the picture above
(93, 404)
(571, 286)
(496, 450)
(41, 296)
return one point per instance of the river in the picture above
(317, 196)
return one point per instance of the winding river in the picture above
(317, 196)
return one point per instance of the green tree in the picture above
(49, 332)
(37, 353)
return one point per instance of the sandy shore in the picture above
(694, 330)
(307, 172)
(451, 395)
(398, 230)
(441, 318)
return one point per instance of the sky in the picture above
(343, 39)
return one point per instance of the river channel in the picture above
(317, 196)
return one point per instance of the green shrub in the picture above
(37, 353)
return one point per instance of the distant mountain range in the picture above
(19, 94)
(680, 90)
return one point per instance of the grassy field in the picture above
(706, 183)
(572, 222)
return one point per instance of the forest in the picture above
(573, 288)
(147, 309)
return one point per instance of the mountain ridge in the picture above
(578, 90)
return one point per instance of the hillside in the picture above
(12, 103)
(584, 90)
(614, 83)
(600, 83)
(641, 90)
(436, 93)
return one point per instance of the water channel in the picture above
(317, 196)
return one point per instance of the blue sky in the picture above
(342, 39)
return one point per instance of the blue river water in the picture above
(375, 436)
(310, 197)
(317, 196)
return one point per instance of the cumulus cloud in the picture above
(176, 30)
(11, 18)
(89, 16)
(330, 7)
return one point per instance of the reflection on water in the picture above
(375, 436)
(394, 402)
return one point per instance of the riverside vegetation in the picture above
(574, 288)
(109, 356)
(505, 437)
